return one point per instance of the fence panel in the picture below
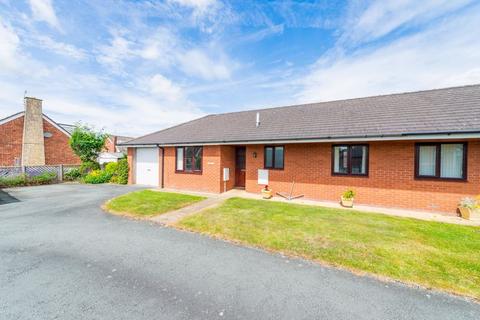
(10, 172)
(33, 171)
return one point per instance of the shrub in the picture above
(44, 178)
(72, 175)
(122, 171)
(86, 143)
(16, 181)
(88, 166)
(24, 180)
(111, 167)
(97, 176)
(349, 194)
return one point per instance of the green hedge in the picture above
(114, 172)
(24, 180)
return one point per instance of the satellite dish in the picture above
(47, 134)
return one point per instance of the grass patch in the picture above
(148, 203)
(432, 254)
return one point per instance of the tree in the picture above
(87, 143)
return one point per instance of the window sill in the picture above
(441, 179)
(350, 175)
(189, 172)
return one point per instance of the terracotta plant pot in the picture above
(465, 212)
(347, 202)
(266, 194)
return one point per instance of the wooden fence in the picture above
(32, 171)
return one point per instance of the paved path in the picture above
(171, 217)
(62, 257)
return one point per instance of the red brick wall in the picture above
(11, 136)
(110, 144)
(131, 165)
(208, 181)
(227, 161)
(390, 182)
(57, 149)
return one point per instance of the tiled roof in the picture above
(438, 111)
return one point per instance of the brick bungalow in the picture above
(31, 138)
(417, 150)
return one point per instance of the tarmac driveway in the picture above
(62, 257)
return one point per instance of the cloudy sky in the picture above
(133, 67)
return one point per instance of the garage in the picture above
(147, 166)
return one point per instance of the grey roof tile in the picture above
(449, 110)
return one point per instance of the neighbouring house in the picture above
(30, 138)
(113, 151)
(417, 150)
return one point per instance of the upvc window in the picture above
(188, 159)
(274, 157)
(441, 160)
(350, 160)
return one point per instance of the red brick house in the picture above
(418, 150)
(31, 138)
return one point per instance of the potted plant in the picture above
(266, 193)
(347, 198)
(466, 206)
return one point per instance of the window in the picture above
(441, 160)
(274, 156)
(189, 159)
(350, 160)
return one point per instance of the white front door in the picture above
(146, 166)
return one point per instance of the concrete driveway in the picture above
(62, 257)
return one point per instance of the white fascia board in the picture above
(56, 125)
(12, 117)
(452, 136)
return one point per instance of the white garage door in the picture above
(146, 166)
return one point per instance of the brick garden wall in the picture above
(390, 182)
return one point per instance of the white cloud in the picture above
(60, 47)
(200, 5)
(9, 47)
(42, 10)
(446, 54)
(381, 17)
(197, 63)
(165, 88)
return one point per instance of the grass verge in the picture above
(148, 203)
(431, 254)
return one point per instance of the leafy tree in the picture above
(87, 143)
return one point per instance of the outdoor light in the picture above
(254, 154)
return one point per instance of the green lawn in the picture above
(148, 203)
(432, 254)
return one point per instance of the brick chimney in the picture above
(33, 148)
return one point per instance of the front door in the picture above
(240, 166)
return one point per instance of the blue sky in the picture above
(133, 67)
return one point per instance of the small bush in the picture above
(72, 175)
(44, 178)
(122, 171)
(97, 176)
(87, 167)
(24, 180)
(17, 181)
(111, 167)
(349, 194)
